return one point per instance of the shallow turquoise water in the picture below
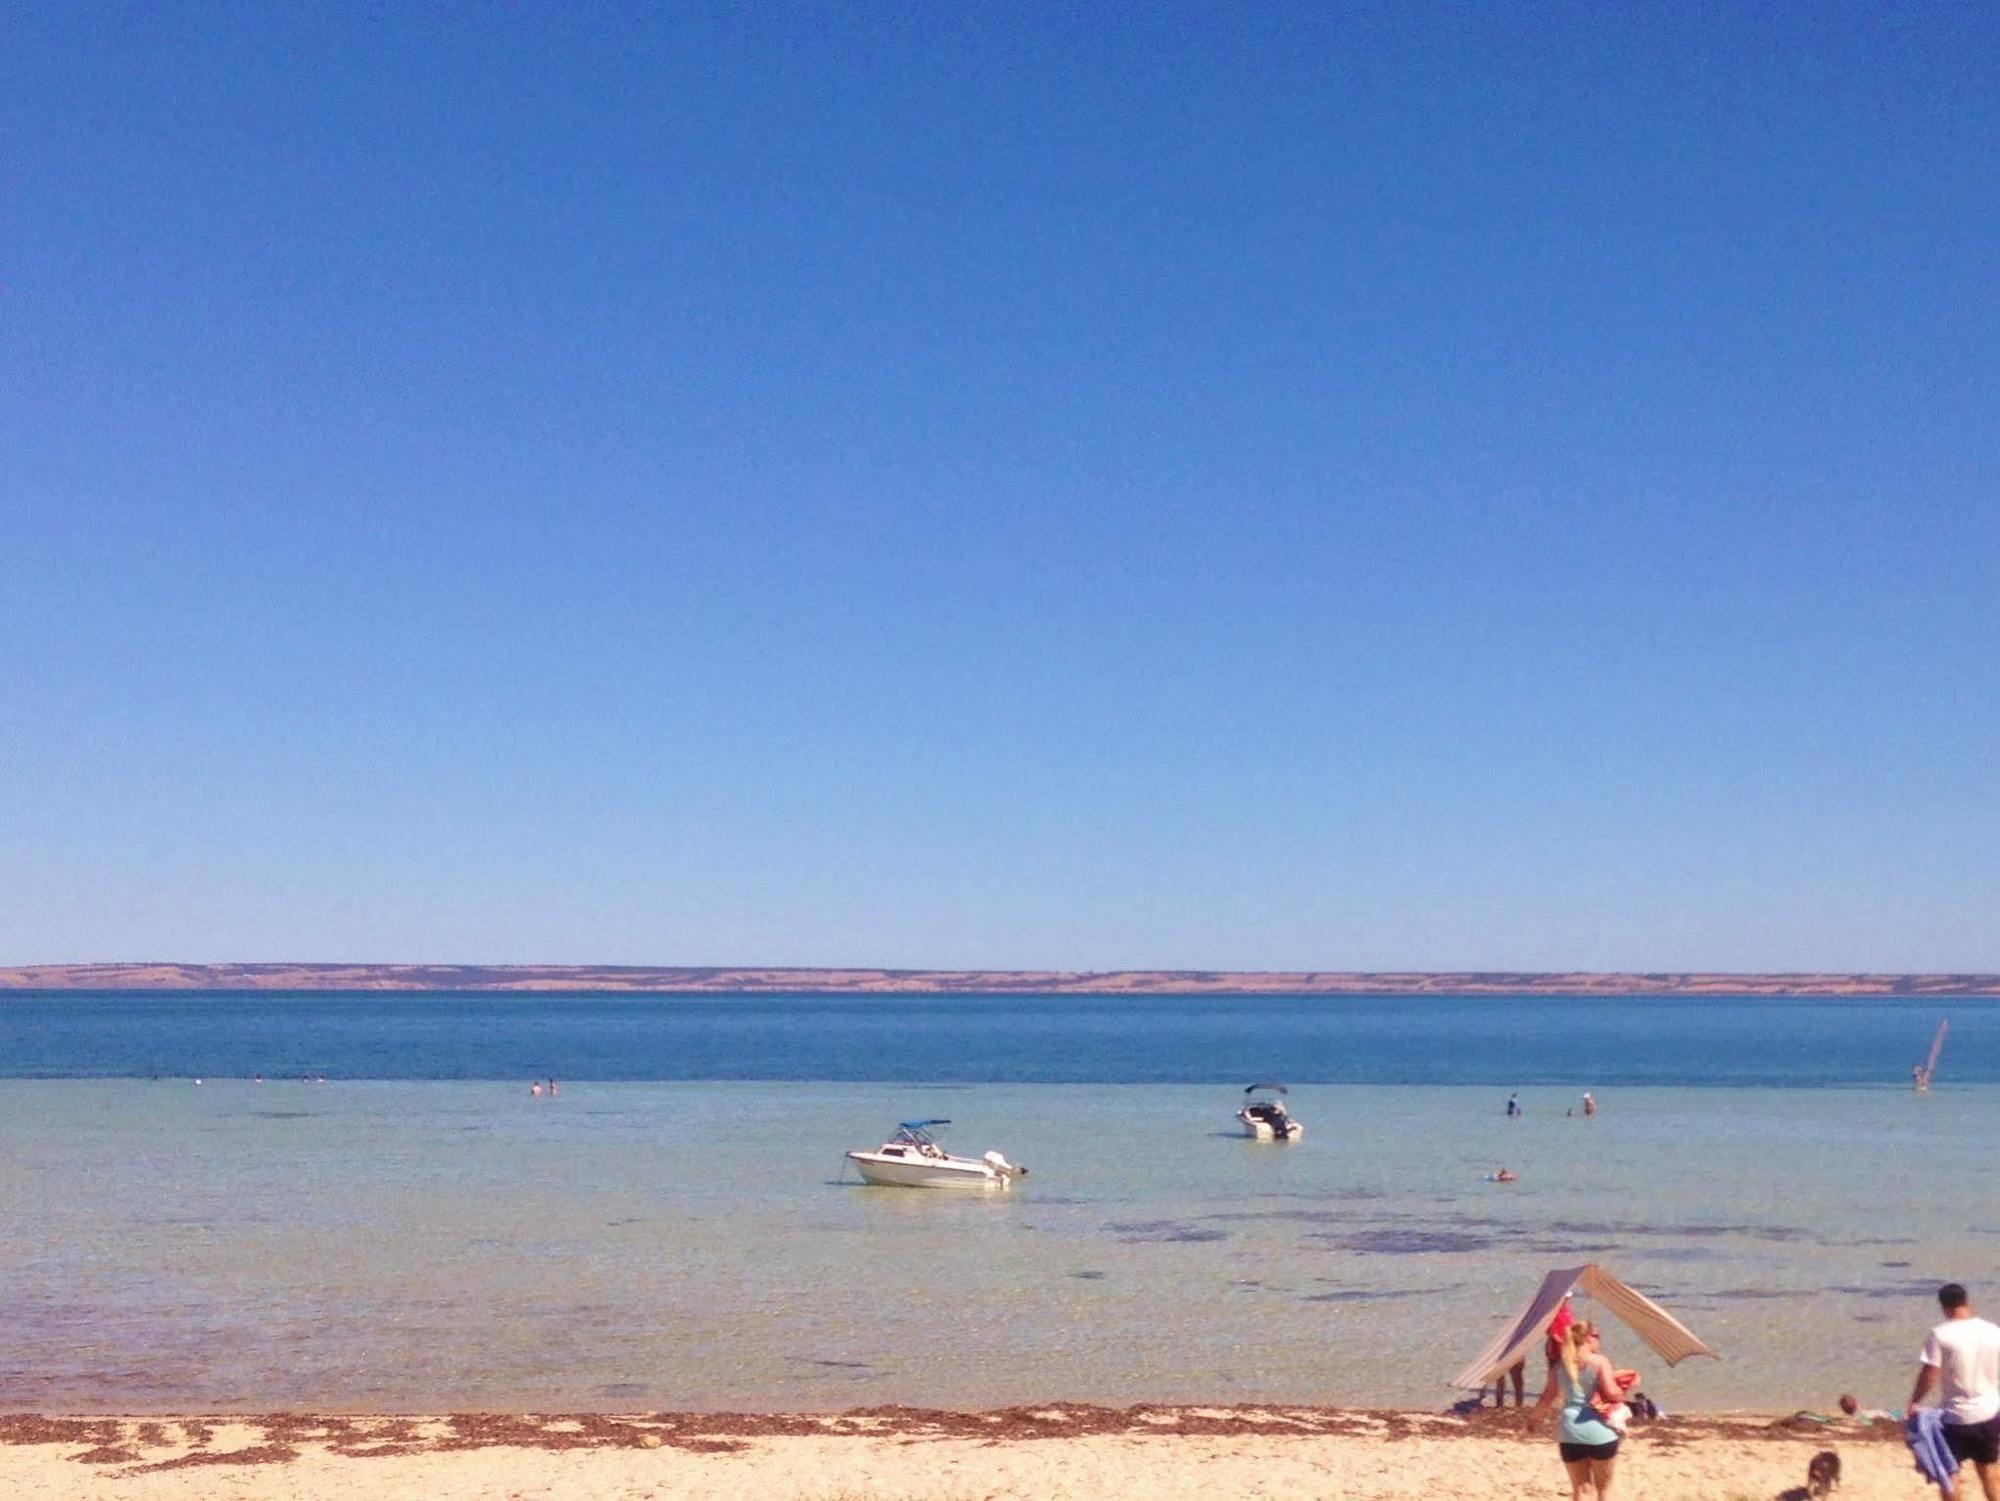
(409, 1246)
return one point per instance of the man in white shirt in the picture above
(1961, 1361)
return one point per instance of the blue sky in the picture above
(1222, 486)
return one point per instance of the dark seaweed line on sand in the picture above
(124, 1443)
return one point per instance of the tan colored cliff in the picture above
(667, 980)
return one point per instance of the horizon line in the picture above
(417, 976)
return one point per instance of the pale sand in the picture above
(1090, 1454)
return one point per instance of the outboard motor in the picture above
(1002, 1166)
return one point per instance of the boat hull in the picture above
(921, 1172)
(1263, 1130)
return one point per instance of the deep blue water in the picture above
(1499, 1041)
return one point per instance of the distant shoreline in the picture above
(689, 980)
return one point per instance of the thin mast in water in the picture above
(1927, 1070)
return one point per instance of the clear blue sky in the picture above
(1193, 485)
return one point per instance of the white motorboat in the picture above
(912, 1158)
(1264, 1115)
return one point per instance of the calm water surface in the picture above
(401, 1239)
(1507, 1041)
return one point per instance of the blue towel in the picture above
(1924, 1433)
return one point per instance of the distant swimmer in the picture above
(1505, 1175)
(535, 1089)
(1589, 1103)
(552, 1089)
(1513, 1105)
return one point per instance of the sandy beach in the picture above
(908, 1454)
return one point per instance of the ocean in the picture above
(1496, 1041)
(677, 1229)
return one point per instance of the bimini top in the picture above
(1274, 1088)
(918, 1125)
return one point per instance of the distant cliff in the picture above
(641, 979)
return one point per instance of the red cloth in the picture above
(1625, 1382)
(1553, 1345)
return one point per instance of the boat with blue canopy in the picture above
(912, 1158)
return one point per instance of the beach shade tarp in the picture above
(1670, 1339)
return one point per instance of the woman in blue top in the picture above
(1588, 1446)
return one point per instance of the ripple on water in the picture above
(1162, 1232)
(1289, 1216)
(1406, 1242)
(1377, 1295)
(1775, 1234)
